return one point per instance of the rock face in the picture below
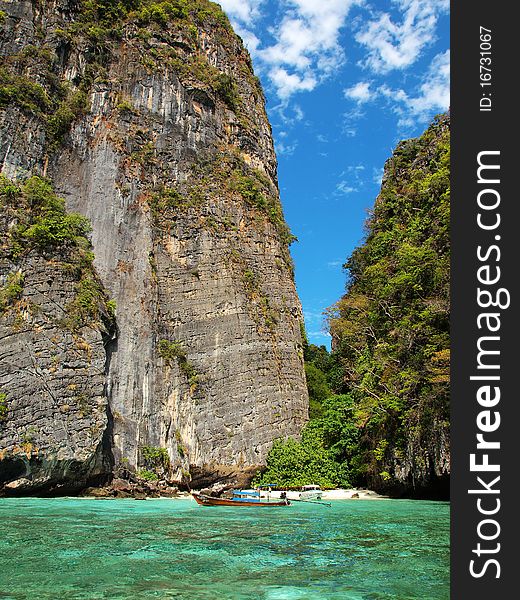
(54, 383)
(54, 327)
(157, 133)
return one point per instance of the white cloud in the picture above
(354, 170)
(377, 175)
(306, 46)
(357, 112)
(334, 264)
(393, 45)
(344, 187)
(350, 119)
(431, 96)
(318, 334)
(315, 324)
(352, 180)
(243, 14)
(286, 149)
(313, 317)
(298, 113)
(251, 42)
(288, 115)
(360, 92)
(244, 11)
(306, 49)
(434, 92)
(288, 83)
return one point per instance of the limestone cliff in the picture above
(148, 120)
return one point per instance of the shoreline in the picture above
(335, 494)
(328, 495)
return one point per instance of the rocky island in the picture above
(149, 320)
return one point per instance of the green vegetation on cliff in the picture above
(36, 222)
(3, 406)
(102, 22)
(390, 427)
(108, 14)
(32, 79)
(321, 456)
(156, 463)
(391, 329)
(174, 351)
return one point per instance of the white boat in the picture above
(311, 492)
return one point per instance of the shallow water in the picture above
(131, 550)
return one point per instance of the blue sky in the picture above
(345, 80)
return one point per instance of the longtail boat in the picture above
(240, 498)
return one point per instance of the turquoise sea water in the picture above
(131, 550)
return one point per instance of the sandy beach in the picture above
(337, 494)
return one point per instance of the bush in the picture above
(326, 454)
(162, 12)
(155, 458)
(249, 188)
(126, 107)
(174, 351)
(226, 88)
(292, 464)
(44, 225)
(317, 387)
(11, 290)
(50, 225)
(9, 191)
(147, 475)
(3, 406)
(169, 199)
(170, 351)
(59, 124)
(55, 229)
(39, 195)
(112, 307)
(20, 90)
(88, 304)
